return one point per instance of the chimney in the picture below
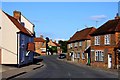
(41, 36)
(117, 16)
(17, 15)
(54, 40)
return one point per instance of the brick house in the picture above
(40, 45)
(103, 43)
(54, 44)
(78, 47)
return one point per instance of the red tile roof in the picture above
(18, 25)
(110, 26)
(56, 44)
(82, 35)
(39, 39)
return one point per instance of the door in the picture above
(109, 61)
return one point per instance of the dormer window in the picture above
(107, 39)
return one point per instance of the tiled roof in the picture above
(18, 25)
(56, 44)
(110, 26)
(39, 39)
(82, 35)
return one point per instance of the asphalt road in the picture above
(54, 68)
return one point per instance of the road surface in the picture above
(55, 68)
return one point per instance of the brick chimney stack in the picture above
(17, 15)
(41, 36)
(54, 40)
(117, 16)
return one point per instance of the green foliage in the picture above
(53, 49)
(63, 45)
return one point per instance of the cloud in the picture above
(98, 17)
(36, 21)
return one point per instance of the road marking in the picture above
(69, 75)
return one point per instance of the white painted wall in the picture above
(9, 40)
(28, 25)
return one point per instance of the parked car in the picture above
(62, 56)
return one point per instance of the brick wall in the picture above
(39, 45)
(107, 49)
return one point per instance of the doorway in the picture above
(109, 61)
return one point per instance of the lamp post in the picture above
(47, 49)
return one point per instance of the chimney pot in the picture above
(41, 36)
(117, 16)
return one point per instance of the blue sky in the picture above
(60, 20)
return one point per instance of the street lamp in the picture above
(47, 49)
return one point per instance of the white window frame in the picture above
(68, 45)
(71, 45)
(76, 44)
(107, 39)
(99, 55)
(80, 43)
(78, 55)
(83, 56)
(97, 40)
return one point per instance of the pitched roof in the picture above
(18, 25)
(39, 39)
(110, 26)
(82, 35)
(56, 44)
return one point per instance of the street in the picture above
(59, 69)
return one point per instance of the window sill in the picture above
(97, 44)
(107, 44)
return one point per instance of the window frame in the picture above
(107, 39)
(97, 40)
(99, 55)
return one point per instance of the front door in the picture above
(109, 61)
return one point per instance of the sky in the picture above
(60, 20)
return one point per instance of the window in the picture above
(107, 39)
(83, 56)
(97, 40)
(42, 44)
(80, 43)
(99, 55)
(23, 56)
(71, 45)
(23, 41)
(75, 44)
(78, 55)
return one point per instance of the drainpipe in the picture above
(18, 50)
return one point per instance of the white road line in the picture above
(69, 75)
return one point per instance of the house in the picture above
(78, 47)
(54, 47)
(103, 43)
(16, 43)
(40, 45)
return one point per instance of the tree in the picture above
(63, 45)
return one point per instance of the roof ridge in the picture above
(17, 24)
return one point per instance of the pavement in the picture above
(10, 72)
